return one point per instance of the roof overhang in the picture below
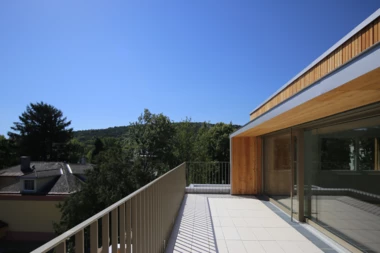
(355, 84)
(363, 24)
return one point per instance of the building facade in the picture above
(313, 147)
(30, 194)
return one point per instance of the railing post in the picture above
(138, 227)
(134, 224)
(105, 233)
(146, 219)
(79, 241)
(143, 221)
(150, 237)
(94, 237)
(61, 248)
(122, 227)
(128, 225)
(114, 230)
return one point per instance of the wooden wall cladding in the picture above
(246, 165)
(358, 92)
(364, 39)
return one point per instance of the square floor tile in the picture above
(239, 222)
(226, 222)
(271, 247)
(246, 234)
(253, 247)
(261, 234)
(230, 233)
(235, 246)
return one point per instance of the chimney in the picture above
(83, 160)
(25, 163)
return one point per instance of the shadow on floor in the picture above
(193, 229)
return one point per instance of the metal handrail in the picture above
(80, 227)
(208, 173)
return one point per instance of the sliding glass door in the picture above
(342, 180)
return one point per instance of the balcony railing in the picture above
(142, 221)
(208, 177)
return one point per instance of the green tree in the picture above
(336, 153)
(8, 155)
(219, 141)
(184, 141)
(74, 151)
(98, 147)
(201, 146)
(111, 180)
(149, 143)
(42, 132)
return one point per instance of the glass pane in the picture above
(277, 168)
(342, 175)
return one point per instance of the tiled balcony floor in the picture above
(354, 220)
(225, 223)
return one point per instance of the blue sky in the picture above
(103, 62)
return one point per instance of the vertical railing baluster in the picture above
(134, 219)
(114, 227)
(122, 227)
(105, 233)
(142, 222)
(128, 223)
(61, 248)
(156, 248)
(139, 230)
(145, 220)
(145, 211)
(94, 237)
(79, 241)
(142, 228)
(150, 219)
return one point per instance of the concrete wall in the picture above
(29, 215)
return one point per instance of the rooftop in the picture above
(64, 178)
(226, 223)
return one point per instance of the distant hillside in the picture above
(85, 136)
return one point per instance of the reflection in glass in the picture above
(278, 179)
(342, 180)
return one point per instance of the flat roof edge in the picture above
(360, 65)
(363, 24)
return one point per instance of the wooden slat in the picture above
(245, 165)
(359, 92)
(376, 31)
(361, 41)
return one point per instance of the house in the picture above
(313, 146)
(312, 149)
(31, 192)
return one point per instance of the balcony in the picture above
(189, 209)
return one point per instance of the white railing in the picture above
(140, 222)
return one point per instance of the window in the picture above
(281, 154)
(29, 185)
